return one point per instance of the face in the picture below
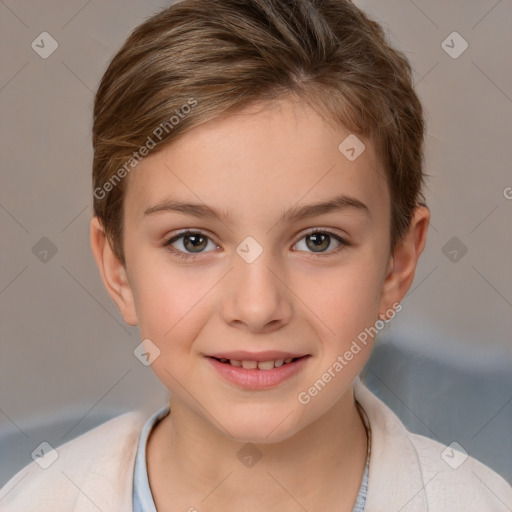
(261, 277)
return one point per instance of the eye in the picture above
(194, 243)
(318, 241)
(191, 242)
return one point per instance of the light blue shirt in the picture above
(142, 497)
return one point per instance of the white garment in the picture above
(407, 473)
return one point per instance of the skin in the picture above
(254, 165)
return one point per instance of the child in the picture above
(257, 207)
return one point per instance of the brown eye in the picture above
(320, 241)
(195, 242)
(191, 243)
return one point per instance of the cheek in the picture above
(346, 300)
(172, 309)
(171, 302)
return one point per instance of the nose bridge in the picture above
(257, 295)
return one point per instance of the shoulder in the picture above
(463, 482)
(413, 473)
(92, 468)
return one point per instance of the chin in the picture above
(268, 427)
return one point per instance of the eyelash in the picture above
(189, 256)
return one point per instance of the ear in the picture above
(113, 272)
(402, 263)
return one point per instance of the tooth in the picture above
(289, 360)
(278, 363)
(234, 362)
(266, 365)
(249, 365)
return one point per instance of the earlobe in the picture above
(402, 264)
(113, 272)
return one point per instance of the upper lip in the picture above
(268, 355)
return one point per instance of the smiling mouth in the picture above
(258, 365)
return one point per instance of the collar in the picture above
(395, 480)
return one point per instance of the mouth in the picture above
(253, 364)
(258, 371)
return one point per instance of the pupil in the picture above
(319, 241)
(197, 245)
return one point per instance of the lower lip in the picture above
(258, 379)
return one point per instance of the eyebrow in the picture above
(294, 214)
(338, 203)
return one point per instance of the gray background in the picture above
(67, 363)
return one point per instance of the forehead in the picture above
(267, 154)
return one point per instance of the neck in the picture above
(321, 464)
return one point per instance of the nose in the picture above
(257, 298)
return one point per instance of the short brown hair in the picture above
(222, 55)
